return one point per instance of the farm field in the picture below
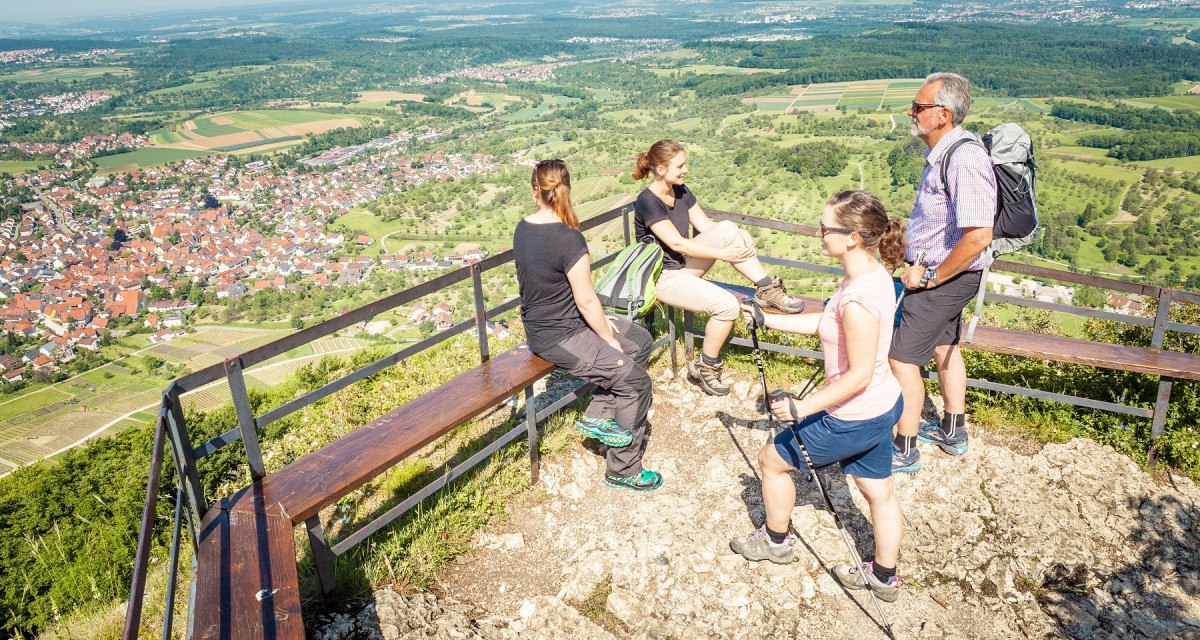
(19, 166)
(148, 157)
(39, 423)
(711, 70)
(1186, 163)
(533, 113)
(62, 74)
(882, 95)
(238, 130)
(1187, 102)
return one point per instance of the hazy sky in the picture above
(26, 11)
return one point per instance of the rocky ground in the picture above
(1010, 541)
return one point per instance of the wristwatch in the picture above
(930, 275)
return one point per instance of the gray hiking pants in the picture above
(622, 385)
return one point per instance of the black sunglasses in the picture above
(828, 230)
(918, 107)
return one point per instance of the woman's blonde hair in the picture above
(863, 213)
(661, 152)
(553, 182)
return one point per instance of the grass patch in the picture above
(148, 157)
(20, 166)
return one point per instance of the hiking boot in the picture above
(644, 481)
(774, 295)
(605, 430)
(932, 432)
(864, 576)
(709, 377)
(901, 463)
(757, 547)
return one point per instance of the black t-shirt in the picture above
(544, 253)
(649, 209)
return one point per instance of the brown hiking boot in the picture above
(709, 377)
(774, 295)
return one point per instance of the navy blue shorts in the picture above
(864, 447)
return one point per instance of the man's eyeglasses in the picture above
(918, 107)
(828, 230)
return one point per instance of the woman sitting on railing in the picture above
(565, 324)
(850, 419)
(664, 211)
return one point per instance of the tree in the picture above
(426, 328)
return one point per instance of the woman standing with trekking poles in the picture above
(850, 419)
(664, 211)
(565, 324)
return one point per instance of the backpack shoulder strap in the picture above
(946, 160)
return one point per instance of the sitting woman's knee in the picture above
(727, 310)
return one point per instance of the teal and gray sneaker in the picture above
(901, 463)
(645, 481)
(757, 547)
(932, 432)
(605, 430)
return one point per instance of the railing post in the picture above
(625, 224)
(531, 431)
(173, 564)
(141, 561)
(323, 556)
(246, 422)
(1163, 401)
(185, 462)
(480, 313)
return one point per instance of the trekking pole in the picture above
(757, 319)
(837, 520)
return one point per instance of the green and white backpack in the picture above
(628, 285)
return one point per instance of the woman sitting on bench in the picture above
(664, 211)
(850, 419)
(565, 324)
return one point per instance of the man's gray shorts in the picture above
(932, 317)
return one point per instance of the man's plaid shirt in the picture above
(937, 221)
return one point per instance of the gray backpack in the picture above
(1016, 223)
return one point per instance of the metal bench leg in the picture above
(323, 556)
(689, 339)
(531, 431)
(670, 313)
(1160, 415)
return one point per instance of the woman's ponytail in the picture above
(891, 246)
(553, 182)
(641, 168)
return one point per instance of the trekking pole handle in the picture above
(780, 393)
(760, 320)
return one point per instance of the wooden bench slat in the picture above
(1097, 354)
(1156, 362)
(303, 487)
(242, 554)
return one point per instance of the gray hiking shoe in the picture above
(864, 576)
(757, 547)
(709, 377)
(774, 295)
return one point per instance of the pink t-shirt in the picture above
(875, 293)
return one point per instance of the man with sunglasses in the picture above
(952, 224)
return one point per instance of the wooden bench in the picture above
(246, 584)
(1154, 361)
